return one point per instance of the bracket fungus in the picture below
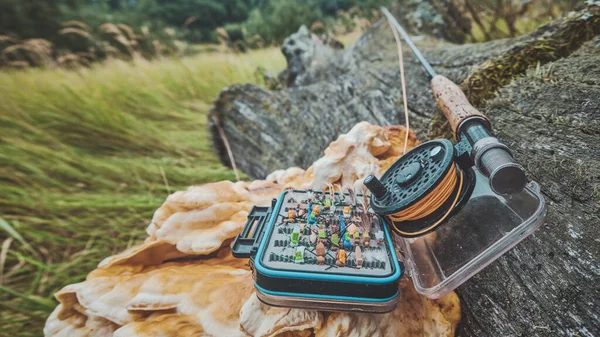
(183, 280)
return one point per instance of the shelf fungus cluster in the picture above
(183, 281)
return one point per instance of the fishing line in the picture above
(432, 202)
(404, 97)
(227, 147)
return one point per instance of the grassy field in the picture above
(86, 156)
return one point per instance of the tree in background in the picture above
(200, 18)
(280, 18)
(274, 20)
(29, 18)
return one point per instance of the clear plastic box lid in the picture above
(485, 228)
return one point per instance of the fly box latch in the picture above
(247, 242)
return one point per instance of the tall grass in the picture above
(87, 155)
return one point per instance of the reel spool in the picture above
(422, 189)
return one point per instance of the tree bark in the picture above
(548, 114)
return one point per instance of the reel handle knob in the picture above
(375, 186)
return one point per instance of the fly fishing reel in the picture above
(422, 189)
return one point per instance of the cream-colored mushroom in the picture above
(261, 320)
(414, 316)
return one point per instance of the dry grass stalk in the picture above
(35, 52)
(129, 33)
(5, 39)
(78, 24)
(74, 60)
(110, 50)
(18, 64)
(40, 52)
(189, 21)
(67, 60)
(11, 49)
(75, 31)
(170, 31)
(109, 28)
(125, 43)
(222, 36)
(88, 56)
(158, 48)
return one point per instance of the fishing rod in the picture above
(490, 156)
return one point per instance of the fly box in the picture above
(318, 250)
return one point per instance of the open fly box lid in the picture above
(317, 250)
(451, 220)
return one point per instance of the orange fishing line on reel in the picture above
(432, 202)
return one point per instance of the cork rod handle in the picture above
(453, 102)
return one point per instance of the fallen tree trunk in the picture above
(541, 92)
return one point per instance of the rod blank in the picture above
(428, 68)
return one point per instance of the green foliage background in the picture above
(273, 20)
